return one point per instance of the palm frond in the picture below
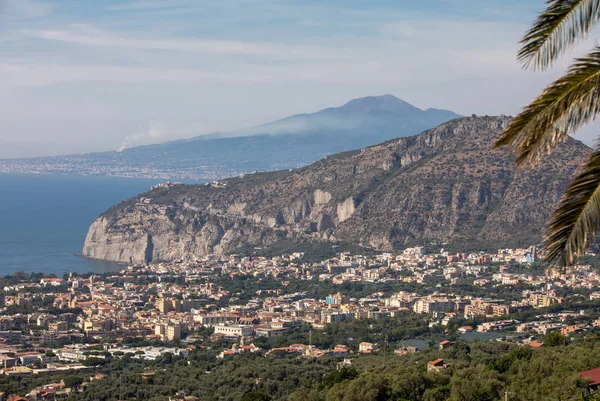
(558, 27)
(575, 221)
(563, 107)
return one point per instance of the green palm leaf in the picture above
(568, 103)
(563, 22)
(574, 223)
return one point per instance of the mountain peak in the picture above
(384, 103)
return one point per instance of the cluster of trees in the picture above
(204, 376)
(482, 371)
(475, 371)
(353, 332)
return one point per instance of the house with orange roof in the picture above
(54, 281)
(341, 349)
(367, 348)
(446, 344)
(436, 365)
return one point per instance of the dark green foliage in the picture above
(73, 381)
(211, 379)
(256, 395)
(554, 339)
(485, 373)
(504, 363)
(339, 376)
(94, 362)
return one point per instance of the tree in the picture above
(94, 362)
(563, 107)
(73, 381)
(554, 339)
(339, 376)
(256, 395)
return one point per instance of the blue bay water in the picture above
(44, 219)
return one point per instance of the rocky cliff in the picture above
(446, 184)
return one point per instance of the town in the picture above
(398, 303)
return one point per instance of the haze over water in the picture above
(44, 219)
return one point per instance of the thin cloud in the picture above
(149, 5)
(93, 37)
(406, 52)
(236, 63)
(24, 9)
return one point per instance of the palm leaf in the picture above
(563, 107)
(574, 223)
(557, 28)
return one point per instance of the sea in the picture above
(44, 219)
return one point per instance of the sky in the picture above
(89, 75)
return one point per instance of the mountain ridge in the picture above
(446, 185)
(286, 143)
(376, 105)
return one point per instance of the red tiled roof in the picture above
(592, 375)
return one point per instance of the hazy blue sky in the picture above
(87, 75)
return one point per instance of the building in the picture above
(332, 315)
(29, 358)
(53, 281)
(98, 325)
(541, 300)
(71, 355)
(163, 305)
(367, 348)
(7, 361)
(234, 330)
(173, 332)
(496, 325)
(337, 299)
(212, 320)
(168, 332)
(346, 363)
(11, 336)
(435, 365)
(405, 350)
(269, 332)
(433, 305)
(58, 326)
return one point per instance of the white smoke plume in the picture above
(151, 135)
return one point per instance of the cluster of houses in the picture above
(171, 302)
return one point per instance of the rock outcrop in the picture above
(446, 184)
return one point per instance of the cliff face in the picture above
(445, 184)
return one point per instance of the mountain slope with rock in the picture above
(444, 185)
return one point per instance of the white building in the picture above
(234, 330)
